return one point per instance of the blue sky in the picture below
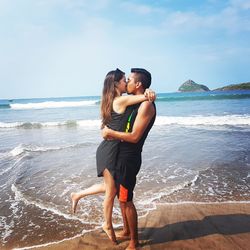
(53, 48)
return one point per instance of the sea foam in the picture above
(227, 120)
(3, 171)
(22, 148)
(20, 197)
(38, 125)
(53, 104)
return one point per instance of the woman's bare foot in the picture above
(122, 234)
(74, 200)
(110, 233)
(132, 245)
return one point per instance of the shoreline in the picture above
(176, 226)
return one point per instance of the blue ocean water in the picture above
(197, 151)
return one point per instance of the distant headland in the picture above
(191, 86)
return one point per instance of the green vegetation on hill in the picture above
(191, 86)
(241, 86)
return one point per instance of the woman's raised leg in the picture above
(94, 189)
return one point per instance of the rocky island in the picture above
(191, 86)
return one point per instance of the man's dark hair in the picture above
(142, 76)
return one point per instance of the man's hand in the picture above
(105, 133)
(150, 94)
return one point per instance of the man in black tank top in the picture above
(140, 119)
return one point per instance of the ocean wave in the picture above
(53, 242)
(52, 104)
(227, 120)
(176, 97)
(4, 106)
(37, 125)
(20, 197)
(3, 171)
(22, 148)
(155, 198)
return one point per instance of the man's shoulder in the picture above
(147, 106)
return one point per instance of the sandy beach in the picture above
(179, 226)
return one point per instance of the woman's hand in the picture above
(150, 94)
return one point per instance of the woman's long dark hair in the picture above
(109, 93)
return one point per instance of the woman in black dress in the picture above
(113, 106)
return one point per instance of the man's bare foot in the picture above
(74, 201)
(122, 234)
(110, 233)
(132, 245)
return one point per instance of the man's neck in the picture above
(139, 92)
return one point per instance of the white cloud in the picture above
(75, 4)
(230, 20)
(240, 4)
(141, 9)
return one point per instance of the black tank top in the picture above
(116, 121)
(128, 121)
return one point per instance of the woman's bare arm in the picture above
(122, 102)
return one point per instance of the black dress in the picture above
(107, 151)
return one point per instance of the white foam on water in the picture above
(227, 120)
(203, 202)
(6, 229)
(52, 243)
(9, 227)
(171, 177)
(153, 200)
(37, 125)
(12, 166)
(3, 155)
(20, 197)
(66, 190)
(3, 186)
(6, 170)
(14, 206)
(10, 124)
(211, 191)
(17, 150)
(53, 104)
(194, 180)
(89, 123)
(22, 148)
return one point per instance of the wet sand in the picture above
(179, 226)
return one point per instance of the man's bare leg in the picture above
(125, 232)
(132, 219)
(108, 205)
(94, 189)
